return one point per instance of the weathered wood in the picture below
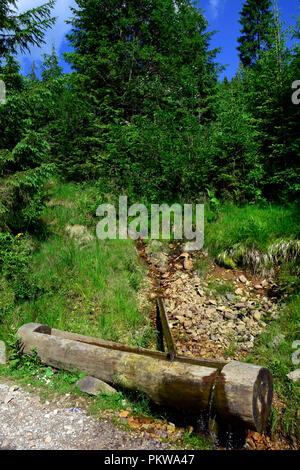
(163, 320)
(244, 395)
(183, 386)
(242, 392)
(131, 349)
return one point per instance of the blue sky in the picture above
(222, 15)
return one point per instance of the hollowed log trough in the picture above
(242, 393)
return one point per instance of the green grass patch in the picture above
(278, 358)
(252, 225)
(220, 288)
(81, 284)
(194, 441)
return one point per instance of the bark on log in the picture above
(177, 385)
(243, 393)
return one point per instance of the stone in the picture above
(230, 297)
(240, 306)
(229, 316)
(178, 266)
(180, 318)
(188, 264)
(2, 353)
(241, 328)
(243, 279)
(211, 311)
(257, 287)
(256, 315)
(9, 397)
(95, 387)
(160, 260)
(278, 339)
(79, 233)
(294, 376)
(264, 283)
(239, 291)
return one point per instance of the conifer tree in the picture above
(256, 34)
(141, 55)
(50, 66)
(23, 30)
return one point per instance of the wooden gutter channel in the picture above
(242, 393)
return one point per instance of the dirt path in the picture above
(27, 424)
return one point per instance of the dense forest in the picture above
(145, 113)
(144, 110)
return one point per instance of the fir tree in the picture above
(256, 34)
(23, 30)
(138, 56)
(50, 66)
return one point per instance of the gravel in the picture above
(28, 424)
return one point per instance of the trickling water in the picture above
(212, 416)
(223, 434)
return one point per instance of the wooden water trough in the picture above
(242, 392)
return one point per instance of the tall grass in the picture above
(259, 238)
(89, 288)
(255, 226)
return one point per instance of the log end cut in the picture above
(244, 394)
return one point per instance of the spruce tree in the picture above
(50, 66)
(140, 55)
(256, 34)
(146, 69)
(23, 30)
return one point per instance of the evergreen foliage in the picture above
(257, 21)
(23, 30)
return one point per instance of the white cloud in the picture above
(214, 7)
(54, 35)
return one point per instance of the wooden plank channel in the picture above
(131, 349)
(163, 324)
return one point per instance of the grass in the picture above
(201, 265)
(253, 225)
(80, 285)
(89, 287)
(196, 442)
(278, 358)
(232, 349)
(221, 288)
(263, 239)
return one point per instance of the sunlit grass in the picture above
(254, 226)
(90, 287)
